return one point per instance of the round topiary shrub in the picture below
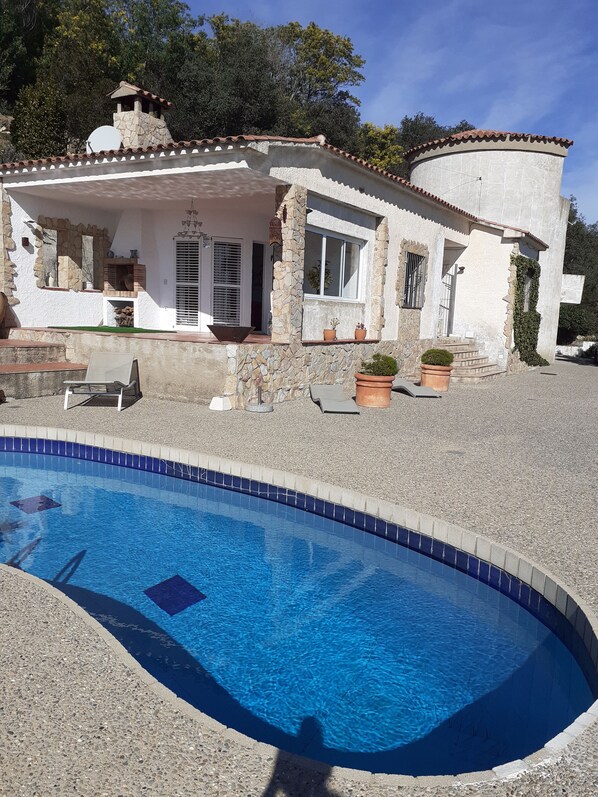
(380, 365)
(437, 357)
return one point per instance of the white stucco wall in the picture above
(410, 217)
(480, 310)
(150, 231)
(513, 187)
(47, 307)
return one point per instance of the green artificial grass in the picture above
(127, 330)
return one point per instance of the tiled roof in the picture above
(206, 142)
(142, 93)
(400, 180)
(487, 135)
(203, 142)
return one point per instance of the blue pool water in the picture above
(294, 629)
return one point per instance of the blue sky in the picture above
(521, 65)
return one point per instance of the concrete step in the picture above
(30, 380)
(480, 368)
(477, 378)
(30, 351)
(469, 358)
(456, 343)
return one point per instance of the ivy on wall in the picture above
(526, 319)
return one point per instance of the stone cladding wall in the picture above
(409, 318)
(141, 129)
(69, 251)
(286, 372)
(7, 244)
(287, 291)
(379, 264)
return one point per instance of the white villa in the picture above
(180, 233)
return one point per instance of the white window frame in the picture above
(242, 286)
(186, 283)
(360, 243)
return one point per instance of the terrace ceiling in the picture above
(145, 189)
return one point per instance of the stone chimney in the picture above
(139, 116)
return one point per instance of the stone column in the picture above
(7, 267)
(287, 292)
(380, 261)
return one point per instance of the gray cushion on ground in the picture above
(332, 399)
(404, 386)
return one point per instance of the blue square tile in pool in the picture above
(36, 504)
(174, 594)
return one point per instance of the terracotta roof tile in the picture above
(143, 93)
(315, 140)
(487, 135)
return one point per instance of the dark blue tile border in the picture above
(476, 568)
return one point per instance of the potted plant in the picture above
(330, 334)
(436, 365)
(374, 381)
(360, 331)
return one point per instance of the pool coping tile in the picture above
(530, 585)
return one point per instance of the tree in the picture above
(420, 129)
(380, 146)
(39, 128)
(24, 25)
(581, 257)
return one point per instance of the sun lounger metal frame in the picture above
(332, 399)
(108, 374)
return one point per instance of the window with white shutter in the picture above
(187, 260)
(226, 297)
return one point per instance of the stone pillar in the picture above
(380, 261)
(7, 267)
(287, 292)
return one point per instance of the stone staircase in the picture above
(31, 368)
(469, 366)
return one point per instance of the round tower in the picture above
(510, 178)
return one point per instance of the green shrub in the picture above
(591, 353)
(380, 365)
(437, 357)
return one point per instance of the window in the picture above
(227, 282)
(527, 291)
(187, 283)
(50, 256)
(414, 280)
(87, 244)
(339, 275)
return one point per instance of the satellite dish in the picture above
(102, 139)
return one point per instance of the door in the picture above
(226, 282)
(187, 263)
(447, 303)
(258, 321)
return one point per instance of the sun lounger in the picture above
(404, 386)
(332, 399)
(107, 374)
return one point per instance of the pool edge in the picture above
(564, 600)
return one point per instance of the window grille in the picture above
(414, 280)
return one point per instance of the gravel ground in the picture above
(515, 460)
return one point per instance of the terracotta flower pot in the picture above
(330, 334)
(436, 376)
(360, 334)
(373, 391)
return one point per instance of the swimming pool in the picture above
(295, 629)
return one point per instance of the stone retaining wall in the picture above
(195, 372)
